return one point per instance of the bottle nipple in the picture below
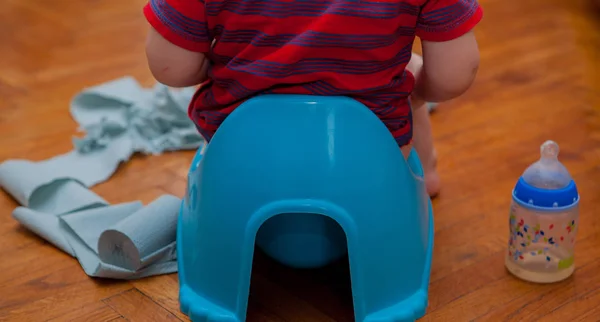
(548, 172)
(549, 151)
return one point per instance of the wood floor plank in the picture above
(54, 300)
(27, 259)
(93, 312)
(544, 299)
(283, 303)
(328, 289)
(583, 308)
(163, 290)
(464, 296)
(135, 306)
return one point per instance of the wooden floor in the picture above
(539, 79)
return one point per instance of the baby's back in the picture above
(323, 47)
(355, 48)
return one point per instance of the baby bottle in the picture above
(543, 221)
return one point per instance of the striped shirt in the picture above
(355, 48)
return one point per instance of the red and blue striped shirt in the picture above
(355, 48)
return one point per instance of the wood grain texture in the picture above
(135, 306)
(93, 312)
(539, 79)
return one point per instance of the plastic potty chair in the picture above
(318, 174)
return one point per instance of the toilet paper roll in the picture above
(144, 238)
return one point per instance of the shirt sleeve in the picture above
(181, 22)
(444, 20)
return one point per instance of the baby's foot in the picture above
(432, 183)
(432, 178)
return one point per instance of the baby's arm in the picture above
(450, 52)
(177, 42)
(172, 65)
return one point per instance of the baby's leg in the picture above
(422, 132)
(396, 122)
(423, 143)
(406, 150)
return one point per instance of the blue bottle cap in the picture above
(531, 196)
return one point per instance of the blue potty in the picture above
(305, 178)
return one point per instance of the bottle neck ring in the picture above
(546, 199)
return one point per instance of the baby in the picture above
(362, 49)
